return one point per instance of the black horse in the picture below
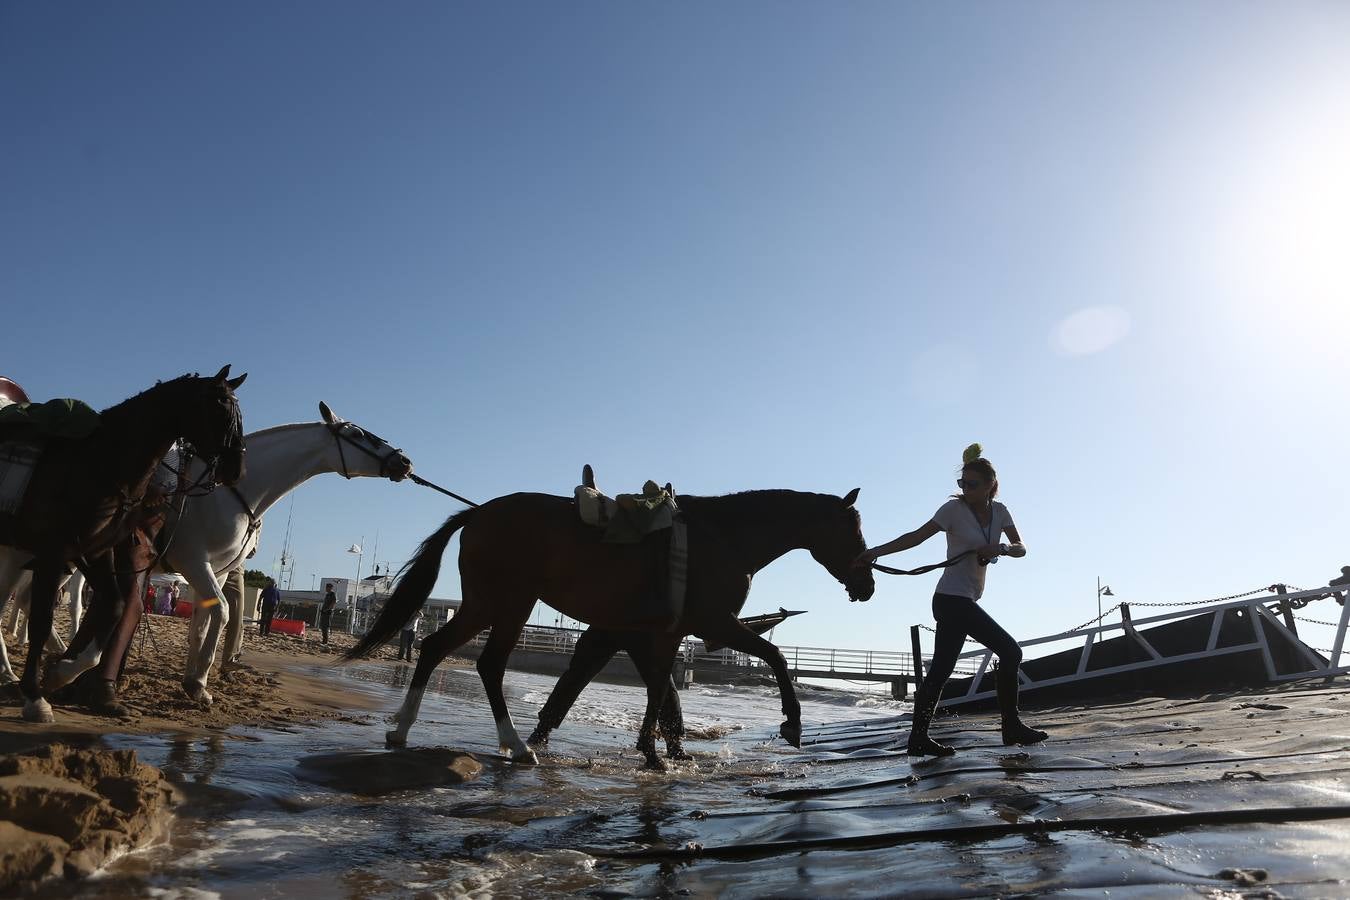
(86, 495)
(522, 548)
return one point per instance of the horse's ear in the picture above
(235, 382)
(327, 414)
(223, 373)
(852, 497)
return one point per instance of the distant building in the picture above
(363, 601)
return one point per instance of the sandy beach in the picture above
(67, 806)
(264, 691)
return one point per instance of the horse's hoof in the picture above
(8, 677)
(525, 758)
(679, 753)
(38, 710)
(393, 741)
(792, 733)
(538, 739)
(654, 763)
(198, 694)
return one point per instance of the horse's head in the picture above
(212, 423)
(838, 545)
(363, 453)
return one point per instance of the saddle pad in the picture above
(64, 418)
(17, 462)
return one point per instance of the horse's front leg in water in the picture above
(737, 636)
(593, 651)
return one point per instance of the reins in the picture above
(418, 479)
(922, 569)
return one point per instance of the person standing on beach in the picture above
(270, 598)
(326, 611)
(974, 523)
(408, 636)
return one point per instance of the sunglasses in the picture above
(972, 483)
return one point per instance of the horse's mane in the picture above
(271, 429)
(133, 401)
(750, 506)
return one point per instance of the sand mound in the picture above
(66, 812)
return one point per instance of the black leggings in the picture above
(957, 618)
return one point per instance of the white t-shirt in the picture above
(964, 532)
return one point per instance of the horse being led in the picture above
(86, 495)
(526, 547)
(217, 531)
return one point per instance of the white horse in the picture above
(218, 531)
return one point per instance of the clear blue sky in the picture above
(757, 245)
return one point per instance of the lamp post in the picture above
(1101, 592)
(356, 585)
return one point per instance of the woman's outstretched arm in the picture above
(903, 542)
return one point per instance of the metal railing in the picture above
(878, 664)
(1259, 610)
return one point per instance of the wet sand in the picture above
(268, 690)
(68, 806)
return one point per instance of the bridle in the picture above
(338, 429)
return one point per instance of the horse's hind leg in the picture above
(653, 662)
(734, 634)
(593, 651)
(491, 669)
(435, 648)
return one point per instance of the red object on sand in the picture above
(182, 609)
(289, 626)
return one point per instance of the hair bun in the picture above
(972, 453)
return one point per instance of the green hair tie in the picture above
(971, 454)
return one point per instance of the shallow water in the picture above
(254, 827)
(849, 815)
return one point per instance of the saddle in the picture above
(626, 518)
(629, 519)
(33, 422)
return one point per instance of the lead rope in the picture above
(922, 569)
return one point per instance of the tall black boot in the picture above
(1015, 731)
(920, 744)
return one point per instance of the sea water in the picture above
(253, 826)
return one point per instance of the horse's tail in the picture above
(415, 581)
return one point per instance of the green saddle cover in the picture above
(65, 418)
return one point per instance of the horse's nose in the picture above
(402, 467)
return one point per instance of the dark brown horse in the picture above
(86, 494)
(521, 548)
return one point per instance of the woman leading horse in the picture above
(975, 524)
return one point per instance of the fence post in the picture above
(1285, 610)
(918, 655)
